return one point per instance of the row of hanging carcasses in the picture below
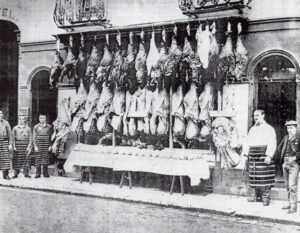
(131, 90)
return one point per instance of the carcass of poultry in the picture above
(92, 99)
(68, 68)
(93, 61)
(226, 66)
(203, 44)
(241, 57)
(80, 67)
(55, 70)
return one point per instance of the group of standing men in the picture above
(260, 148)
(22, 142)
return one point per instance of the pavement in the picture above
(210, 203)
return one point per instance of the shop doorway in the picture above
(277, 94)
(9, 39)
(43, 99)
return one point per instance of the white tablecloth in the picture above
(196, 169)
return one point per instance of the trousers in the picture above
(290, 173)
(263, 193)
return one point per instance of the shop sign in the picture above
(7, 13)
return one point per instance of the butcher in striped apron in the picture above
(5, 146)
(260, 147)
(22, 142)
(42, 145)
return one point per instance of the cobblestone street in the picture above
(35, 211)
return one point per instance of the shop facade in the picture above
(270, 79)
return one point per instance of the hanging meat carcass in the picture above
(153, 56)
(103, 106)
(105, 66)
(170, 66)
(241, 57)
(118, 101)
(80, 67)
(93, 62)
(89, 121)
(136, 102)
(226, 66)
(55, 70)
(203, 44)
(92, 99)
(68, 68)
(214, 51)
(80, 98)
(206, 102)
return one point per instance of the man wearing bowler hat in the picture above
(290, 155)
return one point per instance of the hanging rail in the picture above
(137, 28)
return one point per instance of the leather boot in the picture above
(5, 175)
(38, 172)
(45, 171)
(26, 173)
(16, 173)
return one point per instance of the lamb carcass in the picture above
(80, 67)
(191, 106)
(104, 67)
(153, 56)
(103, 106)
(93, 62)
(163, 103)
(55, 70)
(92, 100)
(206, 102)
(226, 67)
(68, 68)
(128, 73)
(140, 65)
(241, 56)
(80, 98)
(178, 112)
(203, 44)
(89, 122)
(118, 108)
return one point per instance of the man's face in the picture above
(292, 129)
(21, 120)
(258, 117)
(42, 119)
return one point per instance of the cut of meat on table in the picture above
(241, 56)
(203, 44)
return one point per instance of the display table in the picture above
(172, 162)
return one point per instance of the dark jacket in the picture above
(295, 144)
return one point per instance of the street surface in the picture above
(36, 211)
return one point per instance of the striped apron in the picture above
(42, 156)
(4, 154)
(260, 174)
(20, 157)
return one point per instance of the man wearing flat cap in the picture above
(289, 149)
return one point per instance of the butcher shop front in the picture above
(156, 101)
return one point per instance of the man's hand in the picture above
(36, 149)
(268, 160)
(10, 147)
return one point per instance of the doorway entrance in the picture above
(9, 37)
(43, 99)
(277, 94)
